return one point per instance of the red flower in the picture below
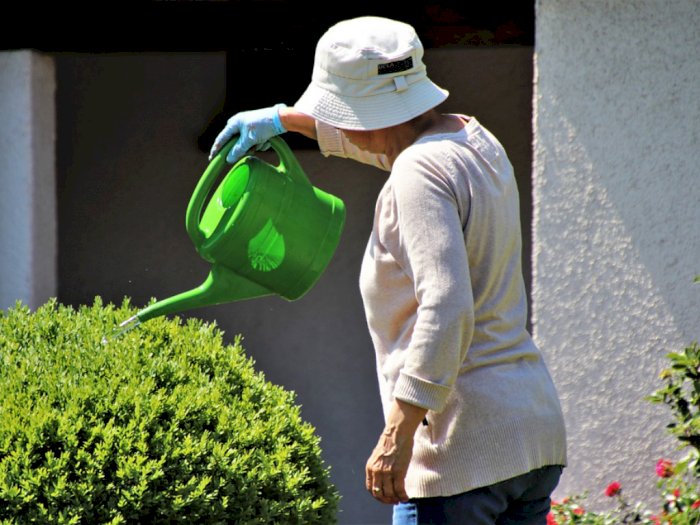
(579, 511)
(551, 520)
(664, 468)
(695, 505)
(613, 489)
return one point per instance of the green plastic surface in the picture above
(265, 229)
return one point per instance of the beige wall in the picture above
(617, 223)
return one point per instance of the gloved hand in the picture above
(254, 128)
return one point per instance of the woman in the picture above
(474, 432)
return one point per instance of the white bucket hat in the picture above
(369, 74)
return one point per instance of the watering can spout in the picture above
(221, 286)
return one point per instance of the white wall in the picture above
(617, 223)
(27, 187)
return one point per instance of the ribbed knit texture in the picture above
(446, 307)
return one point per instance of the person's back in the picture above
(493, 239)
(449, 327)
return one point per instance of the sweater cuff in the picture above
(421, 393)
(329, 140)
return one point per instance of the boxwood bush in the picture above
(164, 424)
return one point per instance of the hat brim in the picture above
(370, 112)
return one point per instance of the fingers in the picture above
(400, 489)
(389, 490)
(388, 495)
(237, 151)
(385, 485)
(244, 143)
(222, 138)
(376, 490)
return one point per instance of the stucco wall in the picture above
(617, 223)
(27, 189)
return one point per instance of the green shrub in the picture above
(681, 393)
(164, 424)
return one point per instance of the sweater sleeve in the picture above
(332, 142)
(433, 253)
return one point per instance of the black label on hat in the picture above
(395, 67)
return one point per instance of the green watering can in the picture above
(266, 230)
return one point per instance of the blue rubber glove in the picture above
(254, 129)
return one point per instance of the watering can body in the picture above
(265, 229)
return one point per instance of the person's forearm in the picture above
(293, 120)
(403, 420)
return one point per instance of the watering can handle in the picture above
(201, 191)
(194, 209)
(288, 161)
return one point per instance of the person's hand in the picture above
(254, 129)
(387, 467)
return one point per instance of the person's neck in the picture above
(403, 135)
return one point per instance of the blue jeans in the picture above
(523, 500)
